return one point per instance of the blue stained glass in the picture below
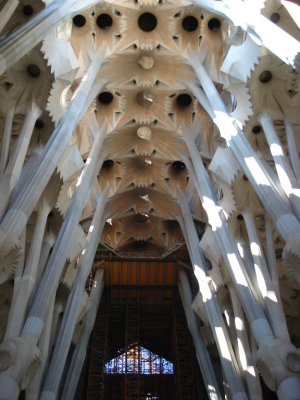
(138, 360)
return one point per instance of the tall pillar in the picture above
(7, 11)
(20, 42)
(27, 281)
(284, 171)
(25, 201)
(234, 264)
(211, 305)
(80, 350)
(71, 313)
(202, 354)
(50, 279)
(13, 169)
(263, 31)
(275, 203)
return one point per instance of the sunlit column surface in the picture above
(211, 305)
(25, 201)
(275, 203)
(261, 29)
(19, 43)
(63, 341)
(79, 354)
(202, 354)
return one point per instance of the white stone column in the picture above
(7, 11)
(71, 313)
(285, 174)
(16, 160)
(293, 153)
(202, 354)
(8, 121)
(227, 245)
(27, 281)
(49, 283)
(261, 29)
(211, 305)
(79, 354)
(275, 204)
(48, 243)
(33, 389)
(244, 353)
(25, 201)
(270, 256)
(20, 42)
(273, 306)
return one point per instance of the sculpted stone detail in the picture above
(19, 360)
(150, 133)
(278, 361)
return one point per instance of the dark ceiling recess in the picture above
(265, 76)
(140, 244)
(178, 165)
(39, 124)
(27, 10)
(33, 70)
(105, 97)
(256, 129)
(275, 17)
(141, 218)
(147, 22)
(107, 164)
(79, 21)
(190, 23)
(183, 100)
(104, 21)
(214, 24)
(172, 223)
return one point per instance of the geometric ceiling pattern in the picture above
(150, 128)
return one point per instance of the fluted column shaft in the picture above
(276, 205)
(80, 350)
(13, 170)
(7, 11)
(285, 174)
(22, 295)
(244, 353)
(24, 39)
(25, 201)
(50, 279)
(293, 153)
(202, 354)
(275, 312)
(212, 308)
(234, 264)
(8, 121)
(33, 389)
(59, 356)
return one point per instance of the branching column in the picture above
(49, 282)
(7, 11)
(255, 314)
(211, 305)
(20, 42)
(25, 201)
(271, 36)
(80, 350)
(70, 318)
(203, 357)
(276, 204)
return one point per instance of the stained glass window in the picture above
(138, 360)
